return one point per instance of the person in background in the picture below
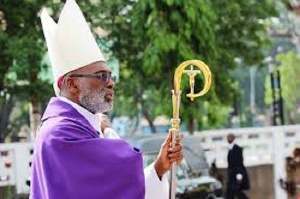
(296, 155)
(74, 156)
(291, 183)
(237, 177)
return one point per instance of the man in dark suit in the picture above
(237, 177)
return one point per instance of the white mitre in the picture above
(70, 42)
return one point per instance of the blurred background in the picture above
(252, 48)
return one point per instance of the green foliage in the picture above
(151, 38)
(22, 51)
(242, 101)
(290, 83)
(268, 91)
(18, 117)
(24, 48)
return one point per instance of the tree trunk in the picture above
(6, 105)
(151, 125)
(34, 103)
(35, 116)
(135, 127)
(191, 125)
(145, 112)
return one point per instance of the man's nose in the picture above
(111, 83)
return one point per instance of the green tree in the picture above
(290, 83)
(151, 38)
(21, 55)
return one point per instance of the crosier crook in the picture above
(175, 122)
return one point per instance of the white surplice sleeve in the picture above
(155, 188)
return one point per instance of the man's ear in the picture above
(71, 84)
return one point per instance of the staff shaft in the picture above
(175, 131)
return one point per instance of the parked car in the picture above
(193, 180)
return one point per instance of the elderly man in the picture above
(74, 158)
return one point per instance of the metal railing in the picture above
(262, 145)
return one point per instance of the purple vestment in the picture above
(71, 162)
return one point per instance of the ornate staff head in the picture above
(192, 73)
(202, 68)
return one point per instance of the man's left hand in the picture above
(167, 155)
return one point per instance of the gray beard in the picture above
(94, 101)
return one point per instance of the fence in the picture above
(262, 146)
(15, 162)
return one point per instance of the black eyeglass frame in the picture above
(101, 76)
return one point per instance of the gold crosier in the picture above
(175, 128)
